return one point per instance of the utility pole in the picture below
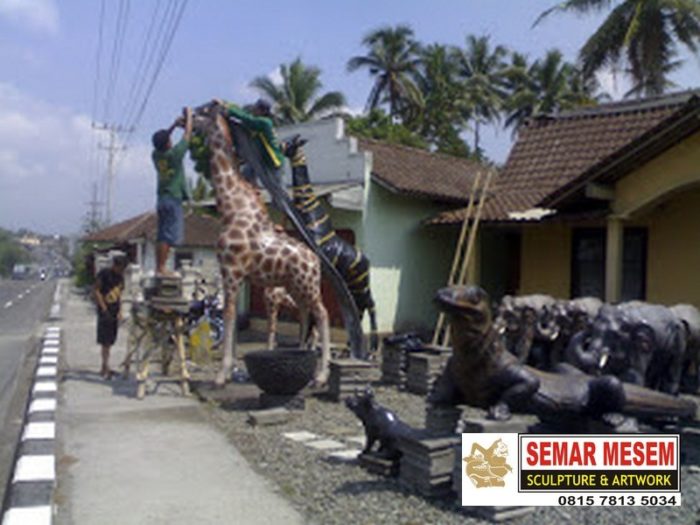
(94, 212)
(112, 148)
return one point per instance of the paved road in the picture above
(24, 305)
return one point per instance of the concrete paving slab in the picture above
(324, 444)
(300, 436)
(345, 456)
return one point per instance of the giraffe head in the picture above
(209, 121)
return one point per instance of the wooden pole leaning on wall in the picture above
(462, 279)
(460, 253)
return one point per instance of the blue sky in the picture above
(48, 67)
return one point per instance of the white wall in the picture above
(332, 156)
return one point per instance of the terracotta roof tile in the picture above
(553, 151)
(419, 172)
(200, 230)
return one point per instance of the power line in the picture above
(154, 50)
(98, 55)
(139, 73)
(119, 37)
(161, 61)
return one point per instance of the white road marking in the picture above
(45, 386)
(46, 371)
(20, 296)
(27, 290)
(35, 468)
(42, 405)
(8, 304)
(39, 430)
(40, 515)
(50, 351)
(48, 360)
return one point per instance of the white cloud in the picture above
(47, 167)
(614, 83)
(38, 15)
(276, 75)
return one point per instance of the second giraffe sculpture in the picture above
(350, 262)
(251, 248)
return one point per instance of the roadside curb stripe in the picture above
(29, 498)
(28, 516)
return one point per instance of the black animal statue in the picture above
(482, 373)
(523, 323)
(639, 342)
(564, 319)
(350, 262)
(380, 423)
(690, 317)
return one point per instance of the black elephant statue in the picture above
(564, 319)
(640, 343)
(689, 315)
(524, 324)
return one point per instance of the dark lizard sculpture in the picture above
(482, 373)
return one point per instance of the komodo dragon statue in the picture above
(482, 373)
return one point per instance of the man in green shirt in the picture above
(172, 187)
(259, 123)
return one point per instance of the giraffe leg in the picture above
(321, 319)
(229, 343)
(272, 313)
(304, 328)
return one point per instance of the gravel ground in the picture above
(339, 493)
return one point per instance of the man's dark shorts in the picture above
(171, 221)
(107, 326)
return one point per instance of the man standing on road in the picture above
(108, 292)
(172, 187)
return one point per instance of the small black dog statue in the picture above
(381, 424)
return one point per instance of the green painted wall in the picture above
(409, 261)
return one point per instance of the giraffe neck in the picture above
(235, 197)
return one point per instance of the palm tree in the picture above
(481, 69)
(296, 98)
(640, 35)
(546, 86)
(441, 117)
(392, 60)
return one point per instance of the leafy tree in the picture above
(440, 120)
(11, 253)
(545, 86)
(379, 126)
(297, 98)
(392, 59)
(642, 36)
(481, 68)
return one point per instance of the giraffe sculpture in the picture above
(276, 299)
(250, 247)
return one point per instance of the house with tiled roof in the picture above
(137, 237)
(601, 201)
